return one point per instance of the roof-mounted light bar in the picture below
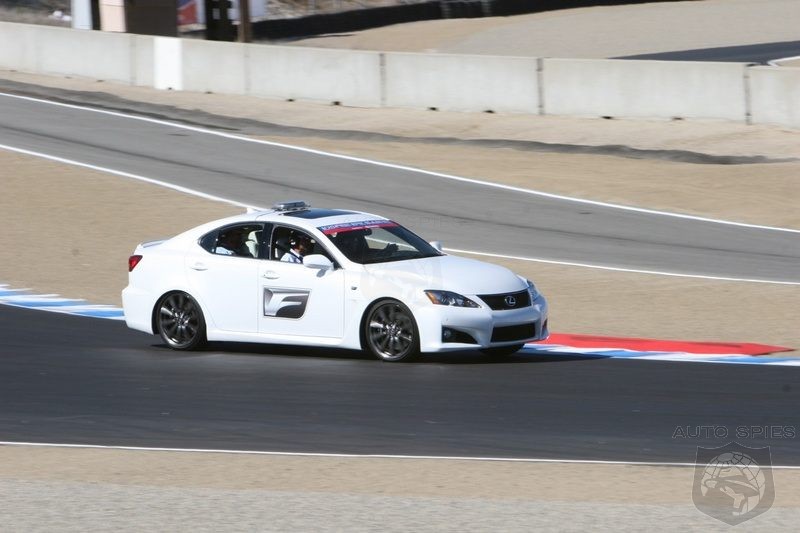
(291, 206)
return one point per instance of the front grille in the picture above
(514, 333)
(498, 302)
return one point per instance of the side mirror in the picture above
(318, 261)
(437, 245)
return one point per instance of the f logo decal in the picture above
(285, 303)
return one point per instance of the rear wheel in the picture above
(502, 351)
(390, 332)
(180, 321)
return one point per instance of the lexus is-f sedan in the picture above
(324, 277)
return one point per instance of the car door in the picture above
(226, 285)
(298, 300)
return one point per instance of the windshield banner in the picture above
(352, 226)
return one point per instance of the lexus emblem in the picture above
(510, 301)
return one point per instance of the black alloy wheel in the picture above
(390, 333)
(180, 321)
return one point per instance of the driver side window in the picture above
(291, 245)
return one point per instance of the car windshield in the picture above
(377, 241)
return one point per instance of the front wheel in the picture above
(502, 351)
(390, 332)
(180, 321)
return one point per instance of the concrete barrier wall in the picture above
(19, 48)
(217, 67)
(615, 88)
(775, 96)
(461, 82)
(647, 89)
(157, 62)
(67, 52)
(348, 77)
(100, 55)
(143, 58)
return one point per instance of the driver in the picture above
(300, 246)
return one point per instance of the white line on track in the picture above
(401, 167)
(363, 456)
(206, 196)
(619, 269)
(777, 62)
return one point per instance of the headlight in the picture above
(449, 298)
(532, 290)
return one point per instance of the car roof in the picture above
(315, 217)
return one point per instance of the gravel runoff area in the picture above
(83, 490)
(100, 490)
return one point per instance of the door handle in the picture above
(270, 274)
(199, 266)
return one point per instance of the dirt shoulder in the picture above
(71, 229)
(507, 480)
(167, 491)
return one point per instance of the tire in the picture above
(502, 351)
(390, 332)
(180, 321)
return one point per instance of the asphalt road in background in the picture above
(463, 215)
(752, 53)
(77, 380)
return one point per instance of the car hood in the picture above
(451, 273)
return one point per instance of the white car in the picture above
(324, 277)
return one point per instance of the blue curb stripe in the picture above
(567, 352)
(101, 313)
(46, 303)
(54, 303)
(11, 293)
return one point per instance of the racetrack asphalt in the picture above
(92, 381)
(753, 53)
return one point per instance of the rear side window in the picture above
(239, 240)
(208, 241)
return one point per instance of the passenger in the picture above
(232, 242)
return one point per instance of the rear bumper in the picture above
(138, 307)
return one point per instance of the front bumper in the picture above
(487, 328)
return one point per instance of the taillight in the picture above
(133, 261)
